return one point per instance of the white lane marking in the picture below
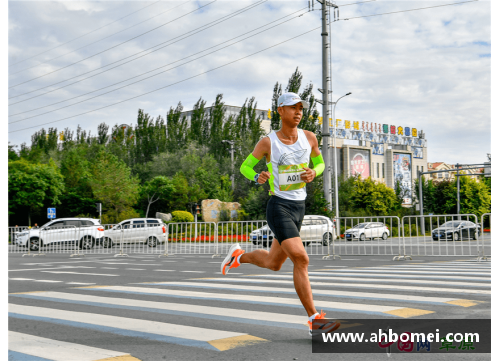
(245, 298)
(164, 270)
(132, 324)
(432, 266)
(62, 262)
(52, 349)
(20, 279)
(77, 283)
(229, 273)
(65, 272)
(403, 271)
(333, 293)
(48, 281)
(180, 307)
(407, 281)
(338, 273)
(440, 290)
(58, 267)
(107, 267)
(192, 271)
(134, 269)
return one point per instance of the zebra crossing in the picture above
(211, 315)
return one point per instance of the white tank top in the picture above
(286, 166)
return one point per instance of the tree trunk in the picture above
(147, 210)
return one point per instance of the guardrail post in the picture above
(483, 257)
(121, 244)
(403, 256)
(166, 243)
(334, 237)
(28, 243)
(77, 241)
(216, 239)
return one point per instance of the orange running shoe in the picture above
(317, 326)
(231, 260)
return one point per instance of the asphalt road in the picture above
(145, 307)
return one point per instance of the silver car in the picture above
(368, 230)
(148, 231)
(315, 228)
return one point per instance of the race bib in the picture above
(289, 177)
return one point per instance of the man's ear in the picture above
(280, 111)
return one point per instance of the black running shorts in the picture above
(284, 217)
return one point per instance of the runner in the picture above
(287, 153)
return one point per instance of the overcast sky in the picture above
(427, 69)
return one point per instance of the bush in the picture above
(111, 217)
(182, 216)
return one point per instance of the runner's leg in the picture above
(272, 259)
(295, 250)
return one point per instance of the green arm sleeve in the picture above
(247, 167)
(319, 164)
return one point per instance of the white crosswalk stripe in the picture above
(216, 313)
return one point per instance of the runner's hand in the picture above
(309, 175)
(263, 177)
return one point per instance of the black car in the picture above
(457, 230)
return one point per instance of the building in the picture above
(448, 174)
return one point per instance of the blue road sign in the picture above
(51, 213)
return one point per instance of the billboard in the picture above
(402, 173)
(360, 163)
(418, 152)
(378, 149)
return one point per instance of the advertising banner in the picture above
(402, 173)
(418, 152)
(378, 149)
(360, 162)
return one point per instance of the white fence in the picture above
(429, 235)
(441, 235)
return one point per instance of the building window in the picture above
(440, 175)
(383, 170)
(378, 170)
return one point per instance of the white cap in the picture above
(289, 99)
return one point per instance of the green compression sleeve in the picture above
(319, 164)
(247, 167)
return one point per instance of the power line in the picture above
(81, 36)
(126, 41)
(404, 11)
(203, 28)
(208, 71)
(164, 71)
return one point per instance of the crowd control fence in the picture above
(441, 235)
(429, 235)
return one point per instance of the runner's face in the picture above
(291, 115)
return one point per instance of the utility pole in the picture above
(458, 190)
(325, 148)
(231, 149)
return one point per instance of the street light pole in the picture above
(335, 175)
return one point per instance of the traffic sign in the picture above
(51, 213)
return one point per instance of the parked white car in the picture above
(84, 231)
(315, 228)
(148, 231)
(368, 230)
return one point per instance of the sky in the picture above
(428, 69)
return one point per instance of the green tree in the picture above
(475, 198)
(113, 184)
(13, 156)
(32, 186)
(177, 135)
(158, 188)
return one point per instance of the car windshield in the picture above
(360, 226)
(451, 224)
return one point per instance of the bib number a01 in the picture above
(289, 177)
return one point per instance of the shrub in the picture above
(182, 216)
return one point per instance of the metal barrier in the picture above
(369, 235)
(192, 238)
(484, 255)
(441, 235)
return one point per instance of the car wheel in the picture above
(152, 242)
(455, 237)
(327, 239)
(264, 244)
(362, 237)
(34, 244)
(349, 239)
(107, 243)
(87, 242)
(306, 243)
(384, 236)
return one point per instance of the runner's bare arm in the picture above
(316, 157)
(263, 148)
